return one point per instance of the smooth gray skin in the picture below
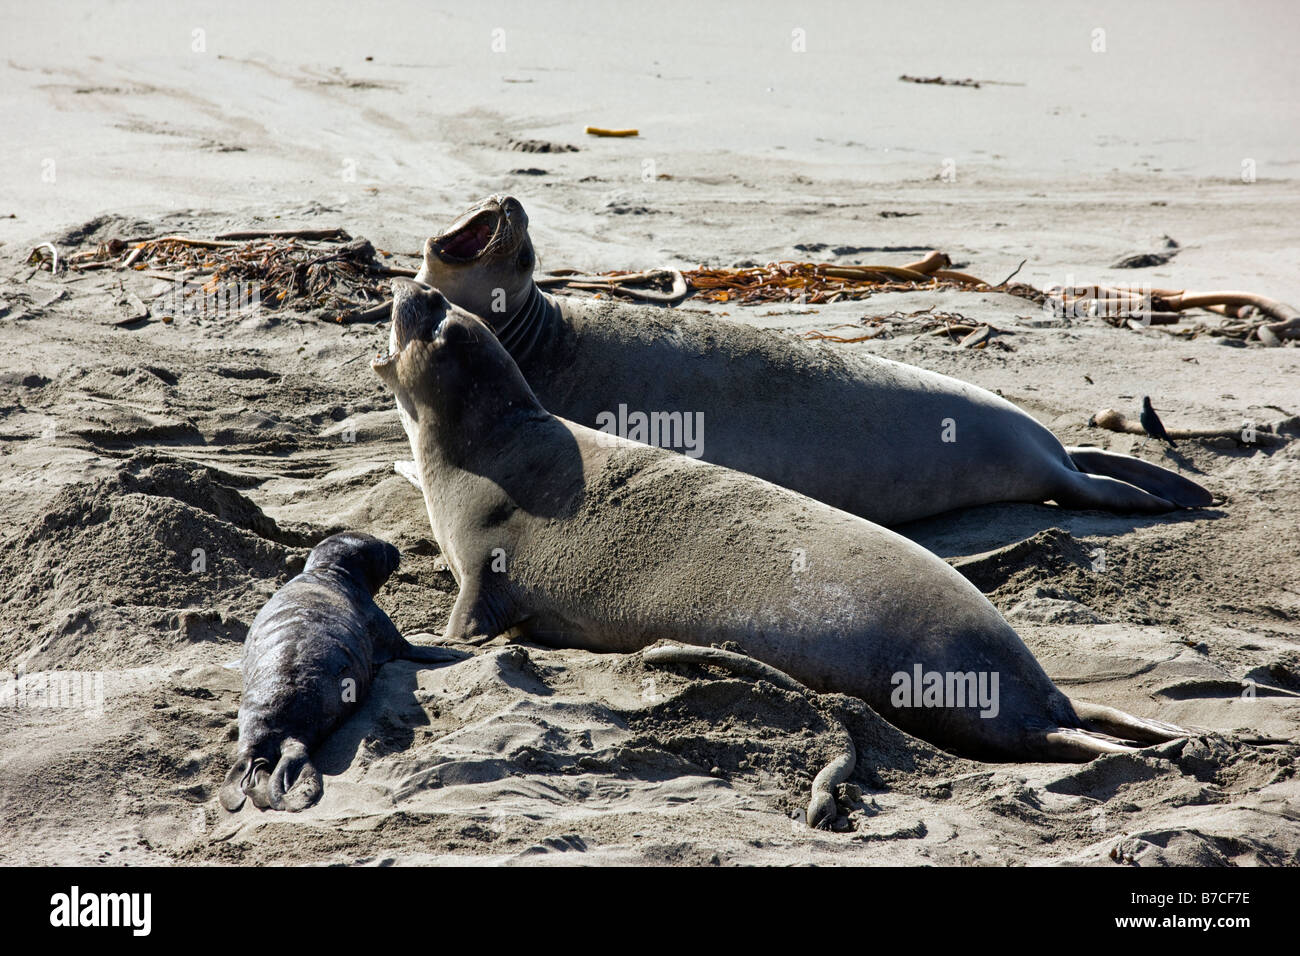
(576, 538)
(861, 433)
(320, 630)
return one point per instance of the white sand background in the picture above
(272, 115)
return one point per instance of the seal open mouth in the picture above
(470, 237)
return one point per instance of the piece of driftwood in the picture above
(637, 285)
(1140, 307)
(821, 810)
(336, 232)
(1248, 433)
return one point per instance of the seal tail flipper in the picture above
(1108, 720)
(295, 784)
(1082, 490)
(407, 470)
(1074, 745)
(1150, 478)
(232, 788)
(255, 783)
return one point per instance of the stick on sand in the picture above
(821, 806)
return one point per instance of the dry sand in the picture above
(124, 449)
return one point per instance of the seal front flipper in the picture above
(398, 648)
(408, 471)
(479, 615)
(430, 653)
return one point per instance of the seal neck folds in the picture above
(526, 329)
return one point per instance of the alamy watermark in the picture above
(133, 911)
(952, 689)
(224, 299)
(67, 690)
(682, 431)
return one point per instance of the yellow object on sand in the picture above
(599, 131)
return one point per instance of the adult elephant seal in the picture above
(883, 440)
(578, 538)
(309, 660)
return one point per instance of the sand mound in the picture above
(1034, 559)
(116, 572)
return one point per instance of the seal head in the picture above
(484, 261)
(446, 364)
(363, 557)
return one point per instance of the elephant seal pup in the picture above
(578, 538)
(309, 660)
(886, 441)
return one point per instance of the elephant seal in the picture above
(883, 440)
(309, 660)
(576, 538)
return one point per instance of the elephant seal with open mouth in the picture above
(886, 441)
(310, 657)
(577, 538)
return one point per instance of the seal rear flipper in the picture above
(1108, 720)
(1074, 745)
(295, 784)
(232, 789)
(1149, 477)
(1084, 491)
(256, 783)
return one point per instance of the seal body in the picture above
(578, 538)
(310, 657)
(880, 439)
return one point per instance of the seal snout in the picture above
(417, 311)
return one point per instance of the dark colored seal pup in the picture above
(578, 538)
(309, 660)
